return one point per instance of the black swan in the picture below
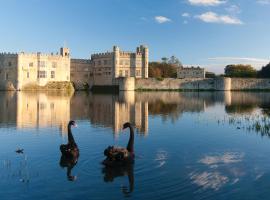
(70, 153)
(119, 155)
(70, 150)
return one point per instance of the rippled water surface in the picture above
(190, 145)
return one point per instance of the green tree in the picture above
(164, 59)
(174, 61)
(239, 70)
(210, 75)
(162, 70)
(265, 71)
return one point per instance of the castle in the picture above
(103, 69)
(22, 71)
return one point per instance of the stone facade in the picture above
(104, 68)
(28, 70)
(81, 73)
(190, 72)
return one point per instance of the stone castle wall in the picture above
(31, 70)
(104, 68)
(203, 84)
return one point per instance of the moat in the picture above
(188, 145)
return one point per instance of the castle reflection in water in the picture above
(45, 109)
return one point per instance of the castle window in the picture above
(27, 74)
(42, 106)
(121, 62)
(105, 62)
(41, 64)
(6, 76)
(99, 62)
(126, 62)
(52, 74)
(85, 75)
(52, 106)
(31, 64)
(42, 74)
(120, 73)
(67, 78)
(138, 73)
(54, 64)
(126, 73)
(9, 64)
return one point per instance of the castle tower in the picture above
(145, 52)
(116, 61)
(64, 52)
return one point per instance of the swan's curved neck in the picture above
(130, 145)
(70, 136)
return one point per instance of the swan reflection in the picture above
(69, 163)
(110, 173)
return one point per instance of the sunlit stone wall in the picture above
(29, 70)
(203, 84)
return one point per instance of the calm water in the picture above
(208, 145)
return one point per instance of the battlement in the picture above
(191, 68)
(101, 55)
(45, 55)
(8, 54)
(39, 54)
(82, 61)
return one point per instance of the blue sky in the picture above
(210, 33)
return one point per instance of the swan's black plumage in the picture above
(70, 149)
(70, 153)
(119, 155)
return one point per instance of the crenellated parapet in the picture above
(8, 54)
(81, 61)
(101, 55)
(42, 55)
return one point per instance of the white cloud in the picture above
(185, 14)
(162, 19)
(206, 2)
(263, 2)
(211, 17)
(240, 59)
(233, 9)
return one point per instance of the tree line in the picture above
(167, 68)
(246, 71)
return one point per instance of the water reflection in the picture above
(110, 173)
(69, 163)
(218, 170)
(111, 110)
(43, 109)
